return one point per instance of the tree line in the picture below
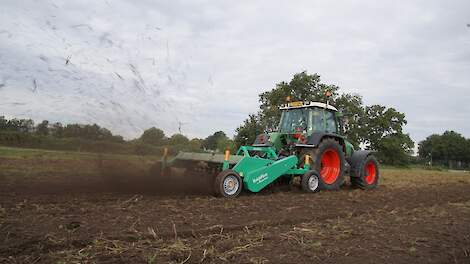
(450, 150)
(216, 142)
(94, 138)
(91, 132)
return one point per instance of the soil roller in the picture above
(308, 144)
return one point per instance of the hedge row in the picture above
(26, 140)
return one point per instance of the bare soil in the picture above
(123, 215)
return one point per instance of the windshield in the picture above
(294, 120)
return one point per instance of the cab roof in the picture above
(294, 105)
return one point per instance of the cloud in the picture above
(133, 65)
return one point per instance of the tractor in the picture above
(308, 144)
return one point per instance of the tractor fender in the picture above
(356, 160)
(316, 137)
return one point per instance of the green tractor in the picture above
(308, 143)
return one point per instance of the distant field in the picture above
(69, 207)
(9, 152)
(52, 171)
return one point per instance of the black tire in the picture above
(223, 191)
(366, 175)
(307, 179)
(316, 155)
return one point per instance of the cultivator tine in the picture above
(205, 165)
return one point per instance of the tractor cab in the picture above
(307, 118)
(302, 124)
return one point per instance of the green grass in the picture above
(397, 177)
(22, 164)
(27, 153)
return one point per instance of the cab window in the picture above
(322, 121)
(330, 122)
(316, 120)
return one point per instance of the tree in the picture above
(71, 130)
(382, 130)
(211, 141)
(3, 123)
(353, 111)
(445, 149)
(302, 87)
(365, 125)
(380, 121)
(455, 146)
(195, 144)
(178, 139)
(428, 148)
(117, 139)
(395, 149)
(26, 125)
(467, 152)
(226, 144)
(153, 136)
(88, 132)
(43, 128)
(57, 130)
(20, 125)
(246, 133)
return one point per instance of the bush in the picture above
(145, 149)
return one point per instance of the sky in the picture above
(199, 66)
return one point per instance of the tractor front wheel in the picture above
(228, 184)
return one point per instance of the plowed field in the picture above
(67, 211)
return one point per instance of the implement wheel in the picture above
(328, 160)
(311, 182)
(228, 184)
(367, 174)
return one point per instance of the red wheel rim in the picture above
(371, 172)
(330, 166)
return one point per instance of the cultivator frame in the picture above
(256, 166)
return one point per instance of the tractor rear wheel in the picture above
(328, 160)
(367, 174)
(228, 184)
(311, 182)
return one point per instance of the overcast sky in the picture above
(130, 65)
